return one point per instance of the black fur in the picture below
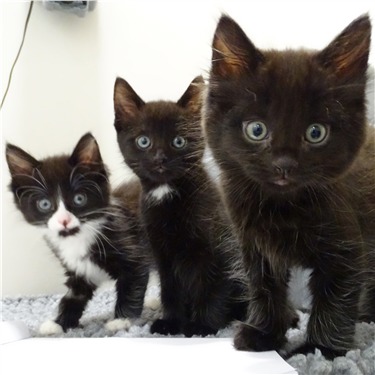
(189, 236)
(294, 203)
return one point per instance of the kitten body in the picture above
(191, 242)
(288, 132)
(91, 230)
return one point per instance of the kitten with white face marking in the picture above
(93, 232)
(189, 236)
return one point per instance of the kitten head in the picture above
(60, 192)
(160, 140)
(287, 119)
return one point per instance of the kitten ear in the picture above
(232, 51)
(192, 97)
(126, 101)
(86, 152)
(347, 55)
(19, 161)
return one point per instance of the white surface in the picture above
(63, 82)
(167, 356)
(13, 331)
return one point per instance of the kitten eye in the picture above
(143, 142)
(255, 130)
(316, 133)
(179, 142)
(80, 199)
(44, 205)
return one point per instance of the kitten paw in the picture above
(152, 303)
(166, 327)
(118, 325)
(49, 327)
(192, 328)
(251, 339)
(328, 353)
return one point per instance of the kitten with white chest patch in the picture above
(91, 230)
(190, 239)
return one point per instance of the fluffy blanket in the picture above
(35, 310)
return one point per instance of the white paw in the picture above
(152, 303)
(118, 324)
(50, 327)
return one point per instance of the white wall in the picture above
(62, 85)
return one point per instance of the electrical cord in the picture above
(18, 53)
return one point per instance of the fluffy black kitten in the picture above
(288, 131)
(91, 231)
(162, 143)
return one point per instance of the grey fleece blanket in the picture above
(35, 310)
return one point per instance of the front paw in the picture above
(251, 339)
(67, 322)
(118, 325)
(166, 327)
(49, 327)
(192, 328)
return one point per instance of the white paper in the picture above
(167, 356)
(13, 331)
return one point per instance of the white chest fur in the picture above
(74, 252)
(160, 193)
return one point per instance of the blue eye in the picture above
(143, 142)
(44, 205)
(179, 142)
(316, 133)
(80, 199)
(255, 130)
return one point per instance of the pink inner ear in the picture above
(89, 154)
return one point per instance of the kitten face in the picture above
(287, 119)
(161, 140)
(59, 193)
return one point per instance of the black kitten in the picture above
(288, 131)
(92, 232)
(162, 142)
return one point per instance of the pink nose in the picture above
(64, 220)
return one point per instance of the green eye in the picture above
(316, 133)
(255, 130)
(179, 142)
(143, 142)
(44, 205)
(80, 199)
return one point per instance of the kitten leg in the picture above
(269, 312)
(334, 312)
(210, 309)
(131, 288)
(72, 305)
(173, 312)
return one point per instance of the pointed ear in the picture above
(192, 97)
(347, 55)
(19, 161)
(232, 51)
(86, 152)
(126, 101)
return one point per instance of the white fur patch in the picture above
(152, 303)
(49, 327)
(118, 325)
(74, 251)
(160, 193)
(62, 214)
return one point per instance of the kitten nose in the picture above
(160, 157)
(284, 165)
(64, 220)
